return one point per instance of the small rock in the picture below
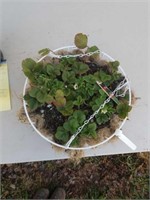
(13, 186)
(49, 106)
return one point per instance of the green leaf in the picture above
(56, 85)
(49, 69)
(104, 77)
(116, 76)
(96, 102)
(83, 68)
(33, 92)
(80, 68)
(49, 99)
(102, 118)
(44, 52)
(97, 76)
(28, 73)
(90, 89)
(59, 93)
(100, 100)
(123, 109)
(32, 102)
(102, 93)
(81, 40)
(65, 63)
(80, 116)
(105, 114)
(90, 92)
(66, 126)
(92, 49)
(65, 76)
(90, 79)
(57, 70)
(60, 100)
(108, 108)
(62, 134)
(90, 130)
(70, 60)
(28, 68)
(27, 97)
(72, 95)
(28, 63)
(95, 107)
(68, 76)
(53, 70)
(92, 127)
(66, 110)
(38, 67)
(41, 96)
(67, 91)
(79, 101)
(71, 125)
(114, 65)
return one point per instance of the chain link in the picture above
(123, 93)
(69, 56)
(95, 113)
(77, 55)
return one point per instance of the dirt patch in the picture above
(104, 177)
(22, 116)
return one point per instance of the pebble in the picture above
(13, 186)
(49, 106)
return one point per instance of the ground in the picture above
(104, 177)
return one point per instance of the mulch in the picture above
(105, 177)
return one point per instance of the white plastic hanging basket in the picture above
(118, 132)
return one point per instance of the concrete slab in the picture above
(119, 28)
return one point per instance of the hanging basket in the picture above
(104, 136)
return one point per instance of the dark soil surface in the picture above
(105, 177)
(52, 117)
(93, 67)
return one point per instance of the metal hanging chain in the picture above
(124, 92)
(51, 54)
(78, 55)
(95, 113)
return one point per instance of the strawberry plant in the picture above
(68, 88)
